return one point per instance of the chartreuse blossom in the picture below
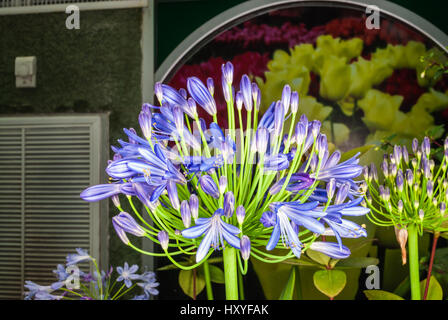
(72, 283)
(206, 189)
(412, 197)
(349, 80)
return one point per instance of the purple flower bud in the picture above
(382, 192)
(163, 239)
(210, 86)
(427, 170)
(315, 128)
(222, 184)
(201, 95)
(409, 177)
(414, 146)
(171, 188)
(331, 187)
(442, 208)
(191, 109)
(414, 162)
(240, 214)
(239, 100)
(227, 72)
(421, 214)
(194, 206)
(365, 172)
(279, 118)
(145, 121)
(426, 146)
(246, 89)
(209, 186)
(397, 155)
(185, 213)
(400, 206)
(300, 134)
(256, 95)
(286, 97)
(116, 200)
(322, 146)
(445, 144)
(124, 223)
(261, 140)
(429, 189)
(178, 116)
(405, 154)
(225, 89)
(446, 155)
(132, 130)
(399, 181)
(245, 247)
(229, 204)
(393, 169)
(158, 91)
(183, 93)
(294, 102)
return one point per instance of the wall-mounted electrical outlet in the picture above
(25, 71)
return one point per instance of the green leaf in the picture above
(363, 149)
(216, 274)
(381, 295)
(319, 257)
(186, 282)
(330, 282)
(357, 262)
(288, 291)
(435, 291)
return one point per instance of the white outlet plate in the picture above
(25, 72)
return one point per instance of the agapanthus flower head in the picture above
(241, 188)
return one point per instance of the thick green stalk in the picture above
(414, 273)
(208, 282)
(230, 273)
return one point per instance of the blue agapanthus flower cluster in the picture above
(73, 283)
(270, 182)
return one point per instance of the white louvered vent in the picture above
(39, 6)
(45, 162)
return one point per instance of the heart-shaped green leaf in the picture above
(435, 291)
(381, 295)
(330, 282)
(319, 257)
(186, 282)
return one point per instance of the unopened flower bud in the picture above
(222, 184)
(405, 155)
(229, 204)
(373, 172)
(429, 189)
(240, 214)
(194, 206)
(210, 86)
(245, 247)
(414, 145)
(442, 208)
(421, 214)
(426, 146)
(163, 239)
(239, 100)
(185, 213)
(402, 237)
(414, 162)
(400, 206)
(294, 102)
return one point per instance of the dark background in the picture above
(175, 20)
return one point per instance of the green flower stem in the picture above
(240, 285)
(72, 292)
(414, 273)
(208, 282)
(119, 290)
(230, 273)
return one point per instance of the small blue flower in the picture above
(127, 274)
(300, 214)
(150, 287)
(215, 231)
(79, 257)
